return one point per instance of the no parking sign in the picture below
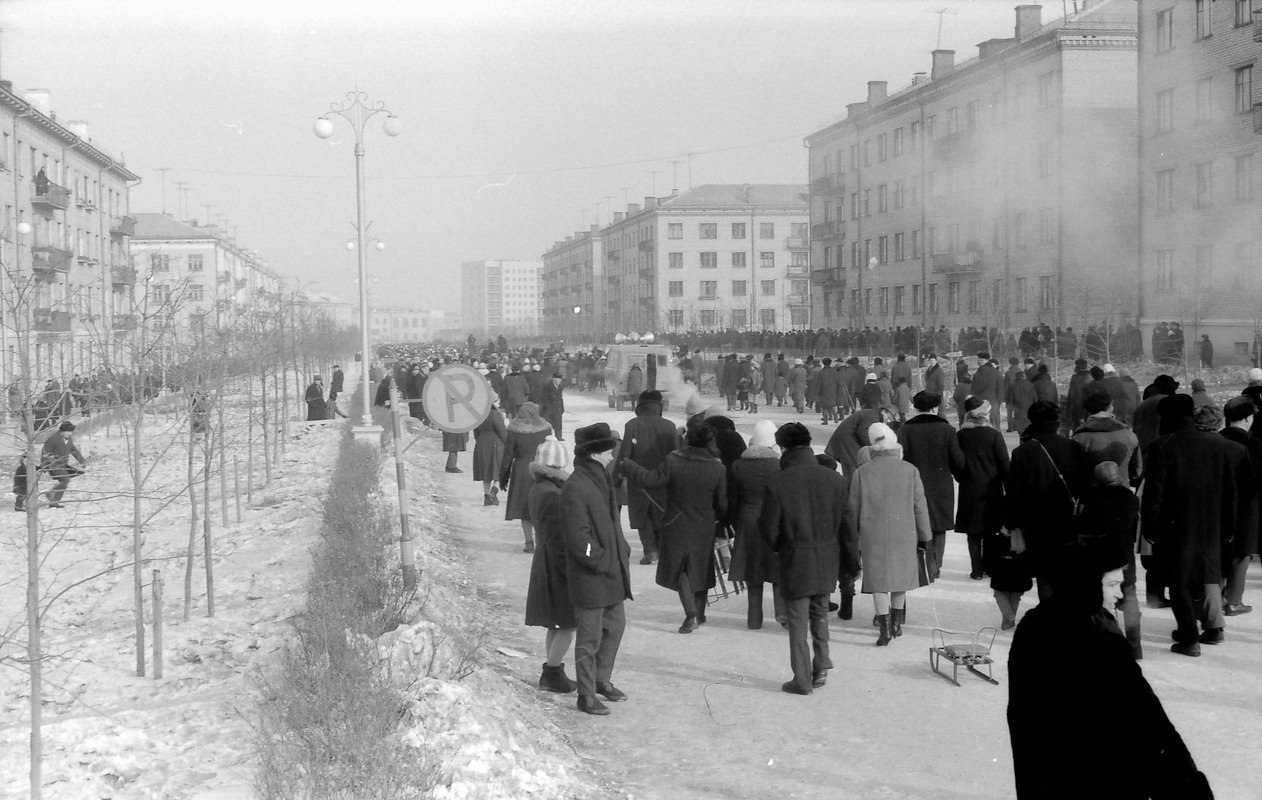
(456, 398)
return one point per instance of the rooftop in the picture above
(739, 195)
(162, 226)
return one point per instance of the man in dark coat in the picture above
(535, 382)
(598, 566)
(1147, 427)
(516, 391)
(929, 442)
(803, 519)
(901, 369)
(647, 440)
(1190, 512)
(335, 389)
(553, 405)
(1010, 378)
(1077, 382)
(935, 381)
(768, 370)
(827, 382)
(314, 397)
(731, 380)
(1238, 412)
(55, 460)
(853, 378)
(986, 385)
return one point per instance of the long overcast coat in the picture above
(753, 560)
(888, 515)
(929, 443)
(1246, 542)
(646, 439)
(803, 520)
(548, 602)
(1036, 500)
(986, 461)
(597, 554)
(523, 440)
(696, 499)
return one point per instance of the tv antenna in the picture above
(942, 12)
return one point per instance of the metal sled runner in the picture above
(968, 654)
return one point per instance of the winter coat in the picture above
(929, 442)
(888, 516)
(548, 602)
(1106, 439)
(339, 379)
(1124, 408)
(827, 388)
(934, 380)
(316, 406)
(597, 563)
(1147, 424)
(516, 391)
(803, 520)
(753, 560)
(696, 500)
(730, 443)
(646, 439)
(488, 446)
(553, 404)
(1073, 399)
(900, 369)
(1051, 709)
(1038, 502)
(523, 440)
(986, 463)
(902, 400)
(781, 387)
(870, 396)
(535, 382)
(1020, 397)
(455, 442)
(56, 454)
(1110, 515)
(731, 377)
(849, 436)
(768, 373)
(1246, 542)
(1045, 389)
(1191, 503)
(986, 383)
(797, 383)
(635, 382)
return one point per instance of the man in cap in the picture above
(553, 405)
(647, 439)
(986, 385)
(1238, 414)
(1077, 382)
(930, 444)
(55, 460)
(935, 381)
(598, 559)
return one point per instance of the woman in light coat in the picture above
(889, 516)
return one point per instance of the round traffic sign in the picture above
(456, 398)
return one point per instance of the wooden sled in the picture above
(722, 562)
(969, 654)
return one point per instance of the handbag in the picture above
(1016, 541)
(922, 565)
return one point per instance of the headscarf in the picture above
(527, 420)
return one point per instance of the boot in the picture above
(689, 625)
(897, 615)
(753, 616)
(486, 499)
(590, 704)
(883, 622)
(554, 679)
(847, 607)
(528, 547)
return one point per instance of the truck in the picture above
(658, 370)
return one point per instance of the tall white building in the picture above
(501, 297)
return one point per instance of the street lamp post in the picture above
(357, 111)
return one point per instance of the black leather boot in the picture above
(897, 615)
(554, 679)
(883, 622)
(847, 607)
(753, 616)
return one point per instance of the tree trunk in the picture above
(207, 541)
(191, 552)
(138, 539)
(34, 643)
(267, 451)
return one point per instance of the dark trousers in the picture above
(1130, 606)
(1196, 603)
(936, 551)
(753, 617)
(808, 613)
(1233, 590)
(694, 602)
(63, 483)
(1155, 583)
(554, 419)
(648, 537)
(975, 556)
(596, 641)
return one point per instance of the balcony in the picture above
(123, 276)
(648, 245)
(646, 273)
(1257, 25)
(796, 271)
(956, 263)
(122, 226)
(46, 319)
(84, 258)
(797, 243)
(834, 276)
(124, 322)
(825, 184)
(47, 258)
(956, 146)
(798, 300)
(833, 229)
(53, 197)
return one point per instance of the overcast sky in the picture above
(567, 103)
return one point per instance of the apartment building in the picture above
(1199, 138)
(501, 296)
(396, 325)
(65, 278)
(574, 287)
(996, 191)
(717, 257)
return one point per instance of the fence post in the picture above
(157, 624)
(407, 554)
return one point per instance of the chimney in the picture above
(650, 203)
(80, 128)
(42, 99)
(943, 64)
(617, 216)
(876, 92)
(855, 109)
(633, 209)
(569, 238)
(990, 47)
(594, 228)
(1029, 20)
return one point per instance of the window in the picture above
(675, 260)
(767, 259)
(767, 317)
(1204, 100)
(854, 301)
(883, 249)
(854, 205)
(738, 230)
(1165, 190)
(709, 289)
(1047, 225)
(1244, 12)
(799, 230)
(675, 289)
(1204, 184)
(916, 302)
(706, 318)
(867, 202)
(913, 142)
(767, 288)
(882, 147)
(828, 164)
(899, 254)
(898, 194)
(1202, 18)
(970, 115)
(952, 120)
(674, 230)
(1244, 177)
(709, 230)
(932, 241)
(1018, 294)
(1205, 265)
(974, 296)
(195, 292)
(1165, 270)
(867, 252)
(828, 257)
(1164, 120)
(710, 260)
(1046, 89)
(1244, 90)
(933, 298)
(854, 156)
(739, 260)
(1018, 228)
(915, 191)
(195, 263)
(996, 294)
(996, 108)
(931, 123)
(953, 297)
(766, 230)
(160, 263)
(883, 301)
(1018, 100)
(898, 142)
(1165, 30)
(882, 199)
(867, 301)
(867, 152)
(900, 300)
(675, 318)
(738, 289)
(854, 254)
(740, 318)
(1046, 297)
(915, 244)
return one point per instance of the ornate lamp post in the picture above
(357, 111)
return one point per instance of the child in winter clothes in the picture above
(755, 391)
(902, 399)
(1110, 517)
(742, 394)
(781, 389)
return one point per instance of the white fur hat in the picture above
(764, 434)
(882, 436)
(1109, 368)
